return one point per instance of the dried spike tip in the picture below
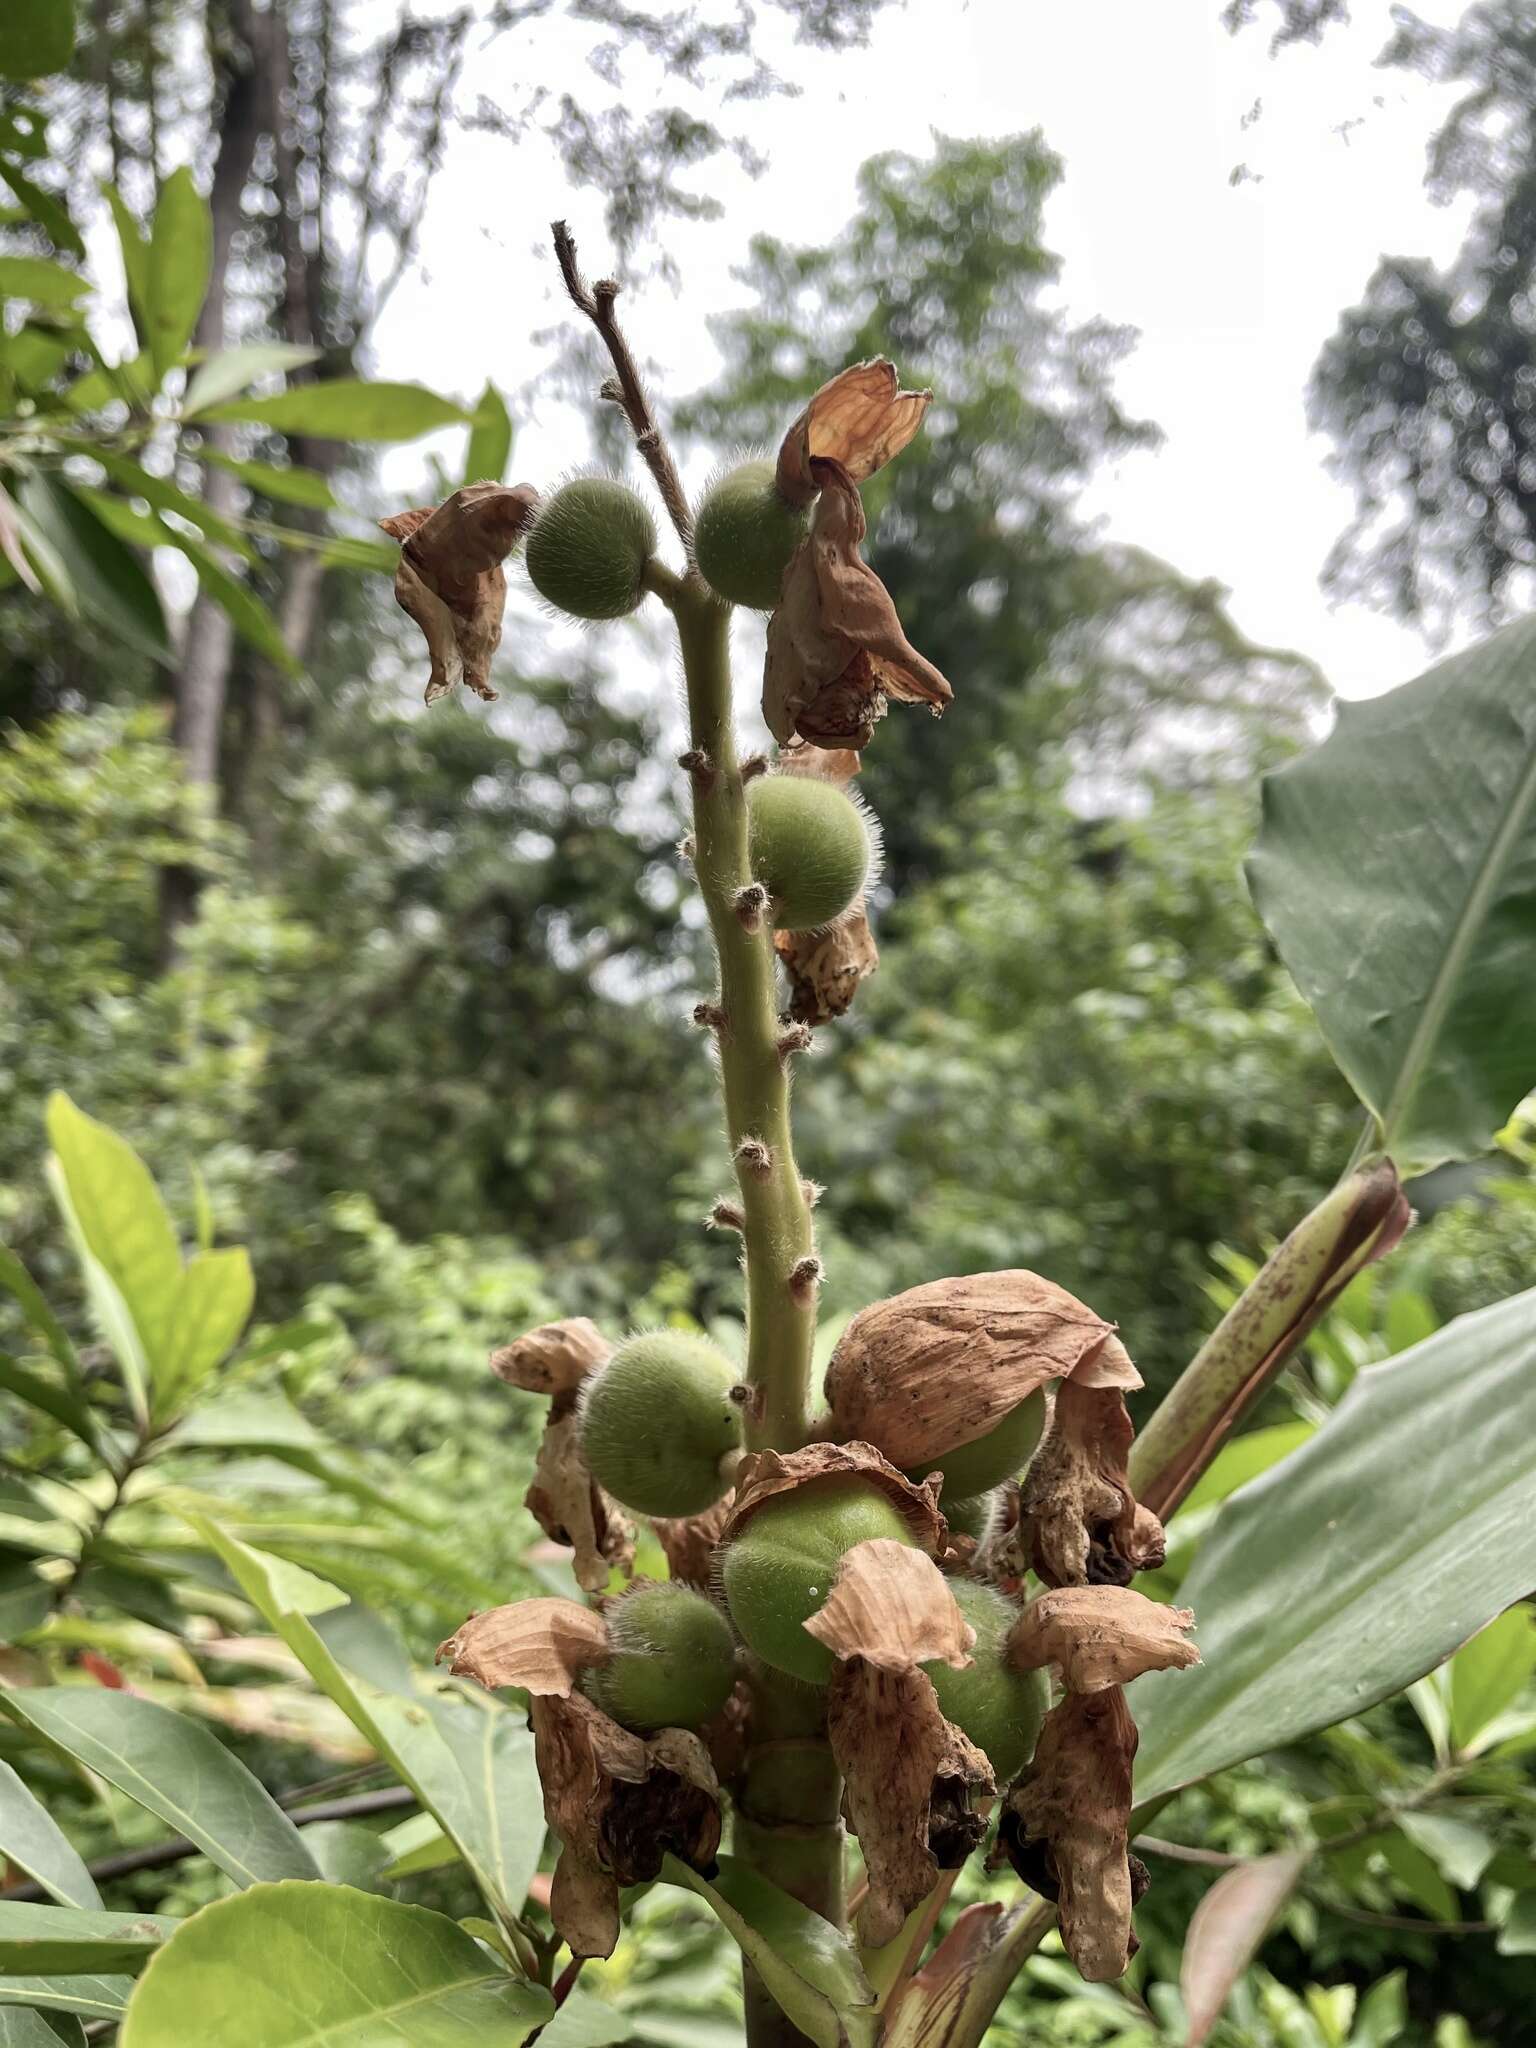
(553, 1359)
(541, 1645)
(1079, 1522)
(1100, 1636)
(451, 582)
(754, 1157)
(861, 418)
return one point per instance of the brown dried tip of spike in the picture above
(571, 1508)
(1079, 1523)
(450, 579)
(1065, 1828)
(827, 969)
(690, 1541)
(892, 1606)
(861, 418)
(764, 1475)
(540, 1645)
(943, 1363)
(1101, 1636)
(619, 1805)
(553, 1359)
(836, 651)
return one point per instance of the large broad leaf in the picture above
(349, 410)
(94, 1998)
(234, 370)
(49, 1941)
(289, 484)
(812, 1970)
(250, 618)
(1396, 869)
(135, 251)
(490, 439)
(179, 267)
(469, 1764)
(22, 2028)
(212, 1306)
(32, 1840)
(101, 578)
(44, 283)
(36, 37)
(18, 1283)
(176, 1768)
(42, 1393)
(1490, 1674)
(290, 1966)
(1364, 1560)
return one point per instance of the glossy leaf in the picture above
(49, 1941)
(179, 266)
(289, 1966)
(1459, 1851)
(44, 283)
(348, 410)
(1244, 1458)
(233, 370)
(1364, 1560)
(490, 439)
(94, 1998)
(135, 251)
(587, 2022)
(176, 1768)
(20, 2027)
(1227, 1932)
(1517, 1936)
(32, 1840)
(810, 1968)
(1489, 1674)
(212, 1306)
(36, 37)
(290, 484)
(103, 578)
(1395, 868)
(346, 1852)
(249, 616)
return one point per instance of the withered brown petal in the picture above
(1066, 1822)
(690, 1542)
(1079, 1523)
(892, 1606)
(942, 1363)
(861, 418)
(826, 969)
(915, 1787)
(553, 1359)
(1101, 1636)
(451, 582)
(836, 651)
(540, 1645)
(763, 1475)
(569, 1505)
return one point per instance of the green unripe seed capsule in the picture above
(998, 1708)
(988, 1460)
(659, 1425)
(589, 547)
(745, 535)
(673, 1660)
(811, 848)
(780, 1569)
(974, 1515)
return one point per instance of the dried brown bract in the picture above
(943, 1363)
(762, 1475)
(450, 579)
(1079, 1523)
(553, 1359)
(569, 1506)
(1100, 1636)
(861, 419)
(836, 651)
(825, 968)
(619, 1804)
(540, 1645)
(916, 1787)
(689, 1542)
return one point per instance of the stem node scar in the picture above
(811, 1192)
(751, 906)
(726, 1215)
(756, 1158)
(753, 766)
(710, 1017)
(805, 1276)
(792, 1039)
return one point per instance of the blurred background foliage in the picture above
(402, 1002)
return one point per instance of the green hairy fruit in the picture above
(974, 1515)
(745, 535)
(659, 1425)
(811, 847)
(589, 547)
(780, 1569)
(673, 1660)
(998, 1708)
(988, 1460)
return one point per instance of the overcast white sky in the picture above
(1232, 286)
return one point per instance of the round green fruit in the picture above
(659, 1425)
(988, 1460)
(810, 846)
(745, 535)
(973, 1515)
(589, 547)
(998, 1708)
(673, 1660)
(779, 1570)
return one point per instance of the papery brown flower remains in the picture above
(1079, 1523)
(540, 1645)
(1100, 1636)
(826, 967)
(763, 1475)
(689, 1542)
(450, 579)
(553, 1359)
(860, 419)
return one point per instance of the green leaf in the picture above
(1517, 1936)
(248, 1422)
(176, 1768)
(57, 1941)
(490, 439)
(1459, 1851)
(284, 1966)
(373, 557)
(40, 1319)
(40, 1393)
(1383, 2014)
(349, 410)
(25, 1599)
(33, 1841)
(44, 283)
(22, 2028)
(1417, 1877)
(470, 1765)
(418, 1844)
(96, 1998)
(36, 37)
(167, 496)
(348, 1853)
(587, 2022)
(290, 484)
(248, 615)
(135, 248)
(213, 1305)
(810, 1968)
(234, 370)
(101, 577)
(179, 267)
(1311, 1592)
(1489, 1674)
(46, 208)
(1395, 868)
(1244, 1458)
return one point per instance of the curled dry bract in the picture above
(861, 419)
(689, 1542)
(1079, 1522)
(553, 1359)
(763, 1475)
(569, 1506)
(540, 1645)
(1101, 1636)
(450, 579)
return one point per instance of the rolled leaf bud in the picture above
(671, 1661)
(745, 534)
(589, 547)
(812, 845)
(997, 1705)
(659, 1428)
